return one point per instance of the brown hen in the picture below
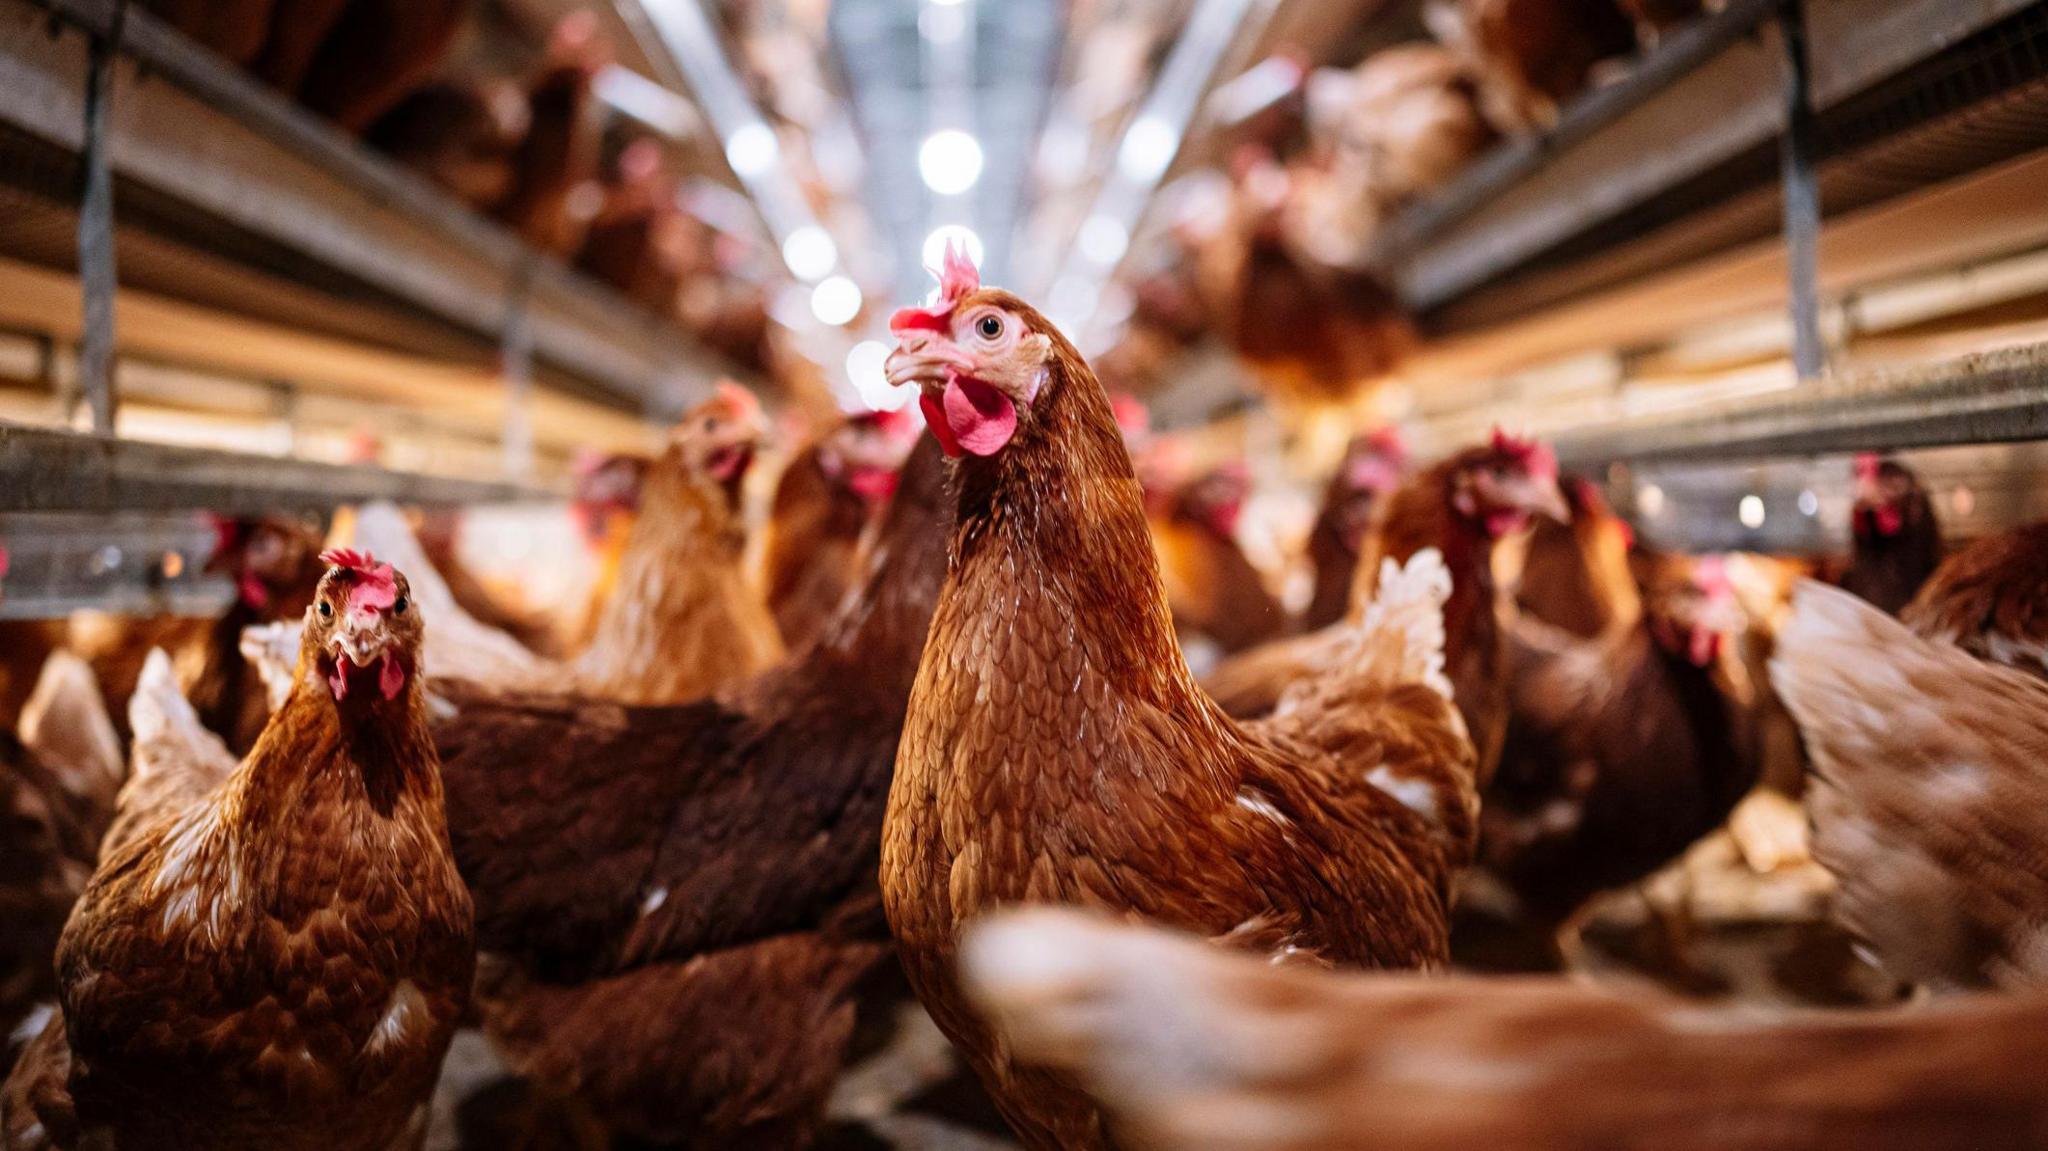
(1463, 507)
(276, 958)
(679, 898)
(827, 497)
(1202, 1051)
(1058, 750)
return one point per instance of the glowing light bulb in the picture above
(810, 253)
(1751, 512)
(752, 149)
(949, 161)
(835, 301)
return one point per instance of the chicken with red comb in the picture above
(1057, 748)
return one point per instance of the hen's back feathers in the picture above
(175, 760)
(1929, 783)
(65, 721)
(1991, 600)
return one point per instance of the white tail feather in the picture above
(162, 718)
(274, 650)
(1400, 637)
(457, 644)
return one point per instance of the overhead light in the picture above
(934, 252)
(1962, 501)
(1148, 148)
(942, 23)
(1650, 500)
(752, 150)
(835, 301)
(865, 367)
(1809, 503)
(1751, 512)
(950, 161)
(810, 253)
(945, 3)
(1103, 240)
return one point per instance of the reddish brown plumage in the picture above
(373, 54)
(276, 958)
(1895, 535)
(1622, 749)
(560, 151)
(1991, 599)
(1928, 755)
(235, 29)
(1211, 586)
(1462, 506)
(1530, 56)
(1371, 469)
(1058, 750)
(1203, 1051)
(683, 894)
(824, 502)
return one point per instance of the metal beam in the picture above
(47, 470)
(1994, 397)
(1801, 194)
(209, 136)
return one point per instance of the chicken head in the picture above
(719, 437)
(978, 358)
(362, 635)
(1513, 480)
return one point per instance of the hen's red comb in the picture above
(1533, 454)
(740, 400)
(376, 584)
(1867, 465)
(957, 277)
(1711, 573)
(1389, 442)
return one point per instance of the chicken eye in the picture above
(326, 610)
(990, 326)
(400, 605)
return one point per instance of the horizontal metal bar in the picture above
(274, 170)
(1707, 97)
(43, 469)
(1989, 398)
(1513, 160)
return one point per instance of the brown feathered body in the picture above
(682, 619)
(1530, 56)
(1991, 600)
(58, 782)
(558, 155)
(274, 959)
(235, 30)
(275, 565)
(1425, 512)
(814, 534)
(461, 136)
(374, 54)
(1212, 588)
(1928, 754)
(1894, 534)
(1621, 752)
(1205, 1051)
(679, 898)
(1575, 576)
(1057, 750)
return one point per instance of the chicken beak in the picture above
(922, 360)
(363, 640)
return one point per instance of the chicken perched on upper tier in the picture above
(1530, 56)
(1896, 535)
(678, 898)
(1058, 750)
(1202, 1051)
(1463, 507)
(276, 958)
(824, 503)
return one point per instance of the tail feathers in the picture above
(65, 720)
(458, 644)
(167, 729)
(1400, 636)
(273, 649)
(1930, 773)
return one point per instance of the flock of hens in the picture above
(703, 865)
